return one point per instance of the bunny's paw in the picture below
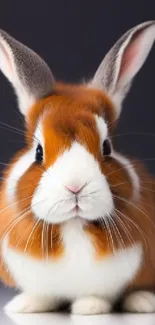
(24, 303)
(140, 302)
(91, 306)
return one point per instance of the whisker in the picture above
(103, 225)
(12, 127)
(117, 231)
(110, 234)
(128, 165)
(14, 222)
(126, 230)
(51, 238)
(132, 133)
(116, 119)
(16, 202)
(21, 237)
(22, 119)
(17, 141)
(16, 219)
(42, 238)
(124, 183)
(46, 171)
(47, 233)
(133, 205)
(135, 225)
(4, 164)
(11, 226)
(31, 233)
(57, 202)
(21, 190)
(18, 131)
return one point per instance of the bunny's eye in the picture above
(39, 154)
(106, 147)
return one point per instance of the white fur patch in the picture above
(75, 167)
(102, 129)
(38, 135)
(18, 170)
(77, 273)
(127, 164)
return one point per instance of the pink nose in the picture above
(74, 188)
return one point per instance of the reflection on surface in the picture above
(66, 319)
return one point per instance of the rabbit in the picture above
(76, 217)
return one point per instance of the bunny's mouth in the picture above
(76, 209)
(84, 205)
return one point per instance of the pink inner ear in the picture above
(7, 59)
(130, 57)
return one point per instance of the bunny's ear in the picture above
(123, 61)
(29, 74)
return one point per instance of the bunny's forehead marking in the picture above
(97, 124)
(57, 136)
(69, 101)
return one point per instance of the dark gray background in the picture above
(73, 36)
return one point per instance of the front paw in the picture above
(24, 303)
(91, 306)
(140, 302)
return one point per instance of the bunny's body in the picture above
(77, 218)
(81, 274)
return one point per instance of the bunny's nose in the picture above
(74, 188)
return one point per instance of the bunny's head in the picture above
(69, 167)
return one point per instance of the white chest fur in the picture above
(78, 273)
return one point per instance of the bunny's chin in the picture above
(61, 218)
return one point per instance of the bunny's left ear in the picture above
(30, 76)
(123, 61)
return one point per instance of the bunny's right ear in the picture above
(119, 67)
(30, 76)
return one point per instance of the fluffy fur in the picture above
(78, 224)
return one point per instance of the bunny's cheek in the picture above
(19, 168)
(132, 179)
(75, 167)
(22, 181)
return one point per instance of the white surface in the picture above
(66, 319)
